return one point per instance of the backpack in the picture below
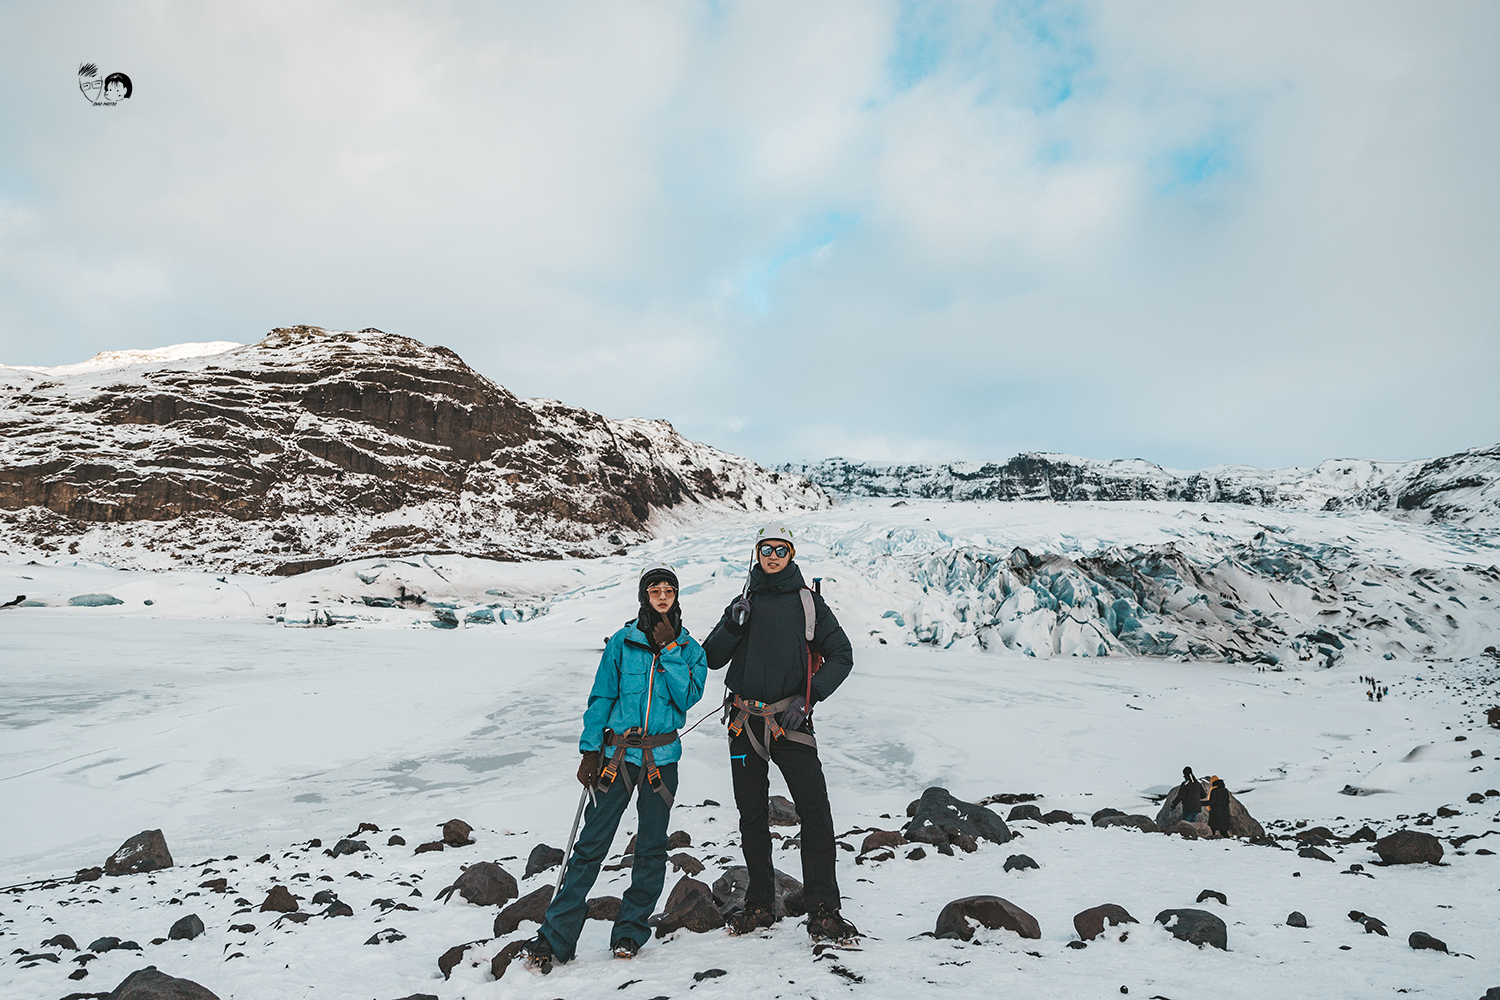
(810, 616)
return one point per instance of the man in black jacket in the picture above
(786, 653)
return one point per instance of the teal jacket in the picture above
(618, 698)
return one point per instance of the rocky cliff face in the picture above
(1459, 489)
(314, 446)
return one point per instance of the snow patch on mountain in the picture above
(106, 360)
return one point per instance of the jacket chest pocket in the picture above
(633, 678)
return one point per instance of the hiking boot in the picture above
(827, 925)
(751, 918)
(626, 948)
(538, 955)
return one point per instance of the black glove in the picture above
(588, 769)
(663, 634)
(795, 714)
(737, 614)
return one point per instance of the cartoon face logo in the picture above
(108, 92)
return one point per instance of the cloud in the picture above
(1190, 232)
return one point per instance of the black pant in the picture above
(804, 778)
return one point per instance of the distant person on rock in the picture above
(786, 653)
(651, 673)
(1218, 807)
(1190, 796)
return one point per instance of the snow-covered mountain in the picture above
(314, 446)
(1459, 489)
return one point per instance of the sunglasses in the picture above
(779, 551)
(661, 589)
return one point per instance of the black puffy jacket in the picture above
(767, 658)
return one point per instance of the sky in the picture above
(1195, 233)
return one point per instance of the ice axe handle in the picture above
(583, 799)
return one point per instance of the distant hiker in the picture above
(1218, 807)
(786, 653)
(651, 673)
(1190, 796)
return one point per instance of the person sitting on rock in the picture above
(651, 673)
(777, 673)
(1190, 796)
(1218, 807)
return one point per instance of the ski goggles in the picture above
(779, 551)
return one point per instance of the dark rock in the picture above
(1141, 823)
(939, 818)
(1020, 862)
(215, 885)
(541, 858)
(296, 918)
(365, 828)
(100, 945)
(1241, 823)
(532, 906)
(881, 838)
(483, 884)
(1197, 927)
(1364, 833)
(686, 862)
(1372, 925)
(339, 909)
(1493, 993)
(1186, 830)
(60, 941)
(880, 855)
(448, 960)
(1314, 853)
(1059, 816)
(1445, 813)
(88, 875)
(279, 900)
(250, 928)
(1090, 923)
(698, 977)
(678, 840)
(1409, 847)
(502, 961)
(347, 846)
(456, 833)
(1211, 894)
(1104, 814)
(605, 908)
(915, 854)
(729, 890)
(1296, 919)
(149, 984)
(782, 812)
(323, 897)
(690, 905)
(1420, 940)
(396, 841)
(39, 957)
(186, 929)
(1024, 811)
(1476, 797)
(419, 996)
(431, 845)
(1318, 836)
(388, 935)
(145, 852)
(991, 911)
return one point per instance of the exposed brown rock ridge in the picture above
(313, 446)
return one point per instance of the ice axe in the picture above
(587, 795)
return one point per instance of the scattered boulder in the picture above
(991, 911)
(1409, 847)
(1364, 833)
(431, 845)
(1059, 816)
(388, 935)
(1090, 923)
(940, 818)
(145, 852)
(729, 890)
(60, 941)
(186, 929)
(782, 812)
(1020, 862)
(1296, 919)
(1315, 853)
(1476, 797)
(339, 908)
(678, 840)
(683, 861)
(698, 977)
(396, 841)
(532, 906)
(1420, 940)
(1105, 813)
(1197, 927)
(347, 846)
(1138, 822)
(279, 900)
(690, 905)
(502, 961)
(915, 854)
(149, 984)
(100, 945)
(448, 960)
(1317, 836)
(881, 838)
(541, 858)
(1372, 925)
(605, 908)
(324, 896)
(1211, 894)
(483, 884)
(456, 833)
(1025, 810)
(1187, 831)
(1241, 823)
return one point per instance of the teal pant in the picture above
(564, 920)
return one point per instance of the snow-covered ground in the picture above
(204, 715)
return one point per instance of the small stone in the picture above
(431, 845)
(1197, 927)
(396, 841)
(347, 846)
(1421, 940)
(541, 858)
(502, 961)
(250, 928)
(781, 811)
(1020, 862)
(678, 840)
(879, 839)
(145, 852)
(456, 833)
(1313, 852)
(605, 908)
(1145, 824)
(916, 854)
(1059, 816)
(279, 900)
(683, 862)
(532, 906)
(1211, 894)
(387, 935)
(1090, 923)
(991, 911)
(448, 960)
(483, 884)
(1102, 814)
(324, 896)
(1364, 833)
(1026, 811)
(698, 977)
(60, 941)
(1296, 919)
(690, 905)
(186, 929)
(1372, 925)
(339, 909)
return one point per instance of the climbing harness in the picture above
(739, 711)
(635, 738)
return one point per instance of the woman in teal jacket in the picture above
(651, 673)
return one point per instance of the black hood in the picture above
(788, 580)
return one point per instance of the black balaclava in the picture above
(649, 616)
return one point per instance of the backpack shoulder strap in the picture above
(809, 613)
